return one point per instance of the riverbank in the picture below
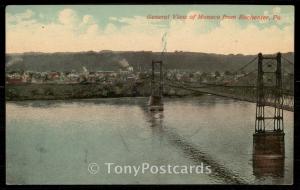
(54, 91)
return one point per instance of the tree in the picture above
(228, 73)
(204, 75)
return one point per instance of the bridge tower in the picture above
(156, 97)
(269, 93)
(269, 143)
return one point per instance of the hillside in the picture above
(110, 60)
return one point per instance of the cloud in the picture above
(88, 19)
(74, 33)
(110, 28)
(113, 18)
(67, 17)
(41, 15)
(276, 10)
(285, 18)
(19, 17)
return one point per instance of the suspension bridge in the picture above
(264, 87)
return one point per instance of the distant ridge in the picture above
(114, 60)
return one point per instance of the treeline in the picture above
(140, 60)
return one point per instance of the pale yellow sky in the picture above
(70, 31)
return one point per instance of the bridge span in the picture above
(243, 93)
(267, 89)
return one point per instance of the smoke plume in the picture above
(124, 63)
(14, 61)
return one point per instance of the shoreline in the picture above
(94, 98)
(22, 92)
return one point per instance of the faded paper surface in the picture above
(149, 94)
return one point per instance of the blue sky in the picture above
(33, 28)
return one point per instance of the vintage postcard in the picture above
(149, 94)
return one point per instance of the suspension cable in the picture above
(287, 60)
(243, 67)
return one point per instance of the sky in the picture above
(74, 28)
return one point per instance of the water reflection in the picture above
(155, 118)
(191, 151)
(124, 130)
(268, 155)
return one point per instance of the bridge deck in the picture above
(229, 95)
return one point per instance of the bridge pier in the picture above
(155, 103)
(156, 98)
(268, 142)
(268, 154)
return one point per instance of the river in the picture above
(55, 142)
